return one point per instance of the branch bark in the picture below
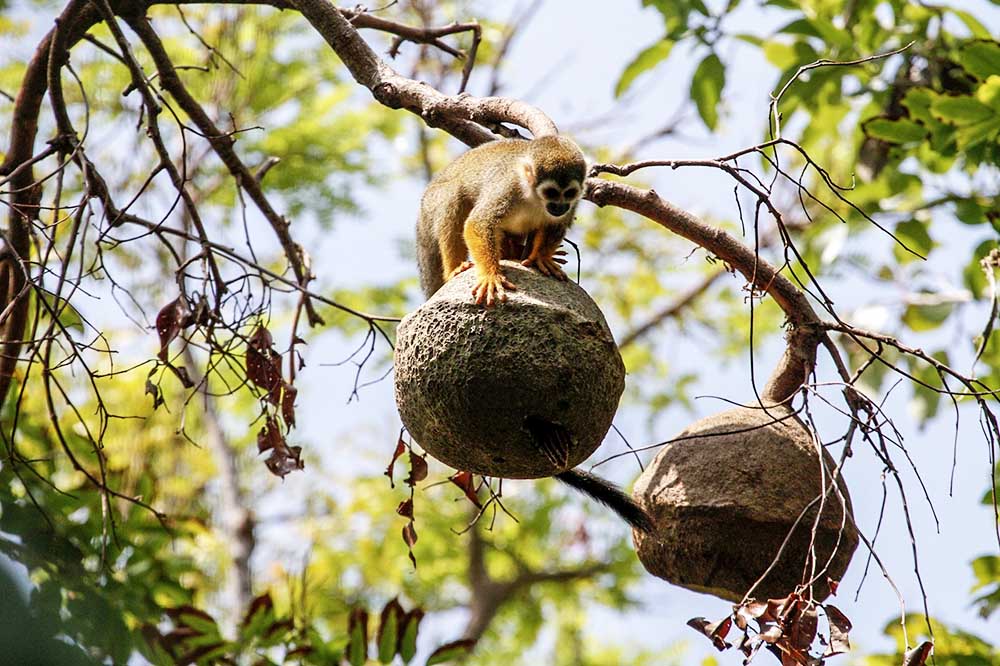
(805, 327)
(488, 595)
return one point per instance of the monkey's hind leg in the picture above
(545, 254)
(453, 254)
(483, 241)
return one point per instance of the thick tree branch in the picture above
(461, 116)
(25, 195)
(804, 331)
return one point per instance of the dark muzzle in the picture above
(556, 209)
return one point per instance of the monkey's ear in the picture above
(528, 170)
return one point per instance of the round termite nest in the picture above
(724, 495)
(524, 389)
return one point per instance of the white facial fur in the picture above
(549, 192)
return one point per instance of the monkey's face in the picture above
(557, 198)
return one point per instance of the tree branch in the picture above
(487, 595)
(222, 143)
(462, 116)
(804, 331)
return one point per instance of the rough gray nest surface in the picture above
(467, 377)
(724, 501)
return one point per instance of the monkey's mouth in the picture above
(556, 210)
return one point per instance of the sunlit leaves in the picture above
(986, 570)
(980, 58)
(894, 131)
(454, 651)
(950, 645)
(706, 88)
(915, 241)
(646, 59)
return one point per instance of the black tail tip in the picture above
(611, 496)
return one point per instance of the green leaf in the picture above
(648, 58)
(914, 235)
(800, 27)
(259, 616)
(784, 4)
(918, 102)
(894, 131)
(830, 33)
(973, 272)
(780, 55)
(408, 639)
(357, 630)
(926, 317)
(989, 92)
(972, 135)
(961, 110)
(986, 568)
(68, 316)
(981, 58)
(451, 651)
(749, 39)
(706, 88)
(388, 631)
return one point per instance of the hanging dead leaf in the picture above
(264, 364)
(410, 538)
(171, 318)
(405, 508)
(154, 390)
(750, 612)
(270, 436)
(918, 655)
(840, 626)
(418, 469)
(288, 395)
(802, 630)
(771, 632)
(285, 459)
(466, 482)
(400, 449)
(715, 631)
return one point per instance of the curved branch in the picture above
(462, 116)
(805, 331)
(76, 18)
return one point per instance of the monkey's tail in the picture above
(429, 261)
(609, 495)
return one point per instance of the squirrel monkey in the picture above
(475, 208)
(501, 189)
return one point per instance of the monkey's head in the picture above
(555, 171)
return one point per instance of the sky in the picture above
(572, 78)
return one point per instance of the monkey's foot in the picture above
(548, 265)
(490, 289)
(461, 268)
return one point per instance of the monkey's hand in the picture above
(490, 288)
(461, 268)
(548, 264)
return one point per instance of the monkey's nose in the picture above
(556, 209)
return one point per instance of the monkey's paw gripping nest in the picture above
(478, 388)
(726, 492)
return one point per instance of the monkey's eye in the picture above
(570, 193)
(550, 193)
